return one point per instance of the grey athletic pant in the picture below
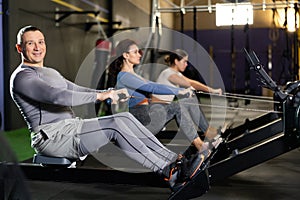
(186, 111)
(77, 137)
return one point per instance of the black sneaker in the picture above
(191, 166)
(171, 171)
(187, 169)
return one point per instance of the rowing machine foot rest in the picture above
(49, 160)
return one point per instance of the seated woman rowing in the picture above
(154, 115)
(172, 76)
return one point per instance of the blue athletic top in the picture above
(44, 96)
(139, 88)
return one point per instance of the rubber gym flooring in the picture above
(278, 178)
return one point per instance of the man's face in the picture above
(33, 48)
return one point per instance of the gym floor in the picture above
(278, 178)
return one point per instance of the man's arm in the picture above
(77, 88)
(28, 84)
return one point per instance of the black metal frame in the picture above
(261, 139)
(65, 14)
(251, 147)
(6, 58)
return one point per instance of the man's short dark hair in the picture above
(24, 30)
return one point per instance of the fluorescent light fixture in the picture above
(234, 14)
(291, 24)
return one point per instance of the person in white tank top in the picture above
(178, 61)
(172, 76)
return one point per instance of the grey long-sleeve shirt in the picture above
(44, 96)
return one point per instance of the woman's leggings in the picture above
(129, 135)
(187, 113)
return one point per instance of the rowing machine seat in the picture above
(51, 161)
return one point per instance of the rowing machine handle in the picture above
(121, 96)
(183, 96)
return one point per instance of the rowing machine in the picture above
(264, 137)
